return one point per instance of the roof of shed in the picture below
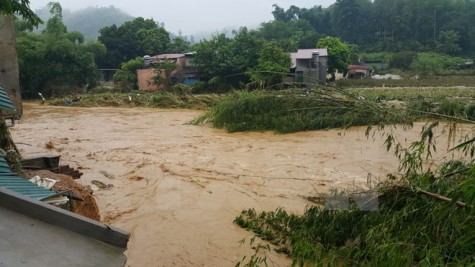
(168, 56)
(20, 185)
(357, 67)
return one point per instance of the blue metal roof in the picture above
(20, 185)
(5, 102)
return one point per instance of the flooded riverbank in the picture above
(177, 187)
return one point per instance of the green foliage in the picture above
(470, 111)
(21, 8)
(448, 42)
(55, 28)
(383, 57)
(338, 54)
(138, 37)
(181, 89)
(273, 65)
(179, 45)
(390, 25)
(288, 111)
(226, 60)
(412, 225)
(126, 76)
(345, 14)
(70, 67)
(451, 108)
(164, 74)
(402, 60)
(258, 258)
(99, 51)
(432, 63)
(289, 35)
(412, 84)
(158, 99)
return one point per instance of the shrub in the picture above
(433, 63)
(470, 111)
(451, 108)
(402, 60)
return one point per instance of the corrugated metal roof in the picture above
(307, 54)
(357, 67)
(25, 187)
(5, 102)
(20, 185)
(168, 56)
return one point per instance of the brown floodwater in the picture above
(178, 187)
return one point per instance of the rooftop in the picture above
(307, 54)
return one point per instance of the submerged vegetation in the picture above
(425, 217)
(135, 99)
(292, 111)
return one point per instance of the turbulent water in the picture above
(177, 187)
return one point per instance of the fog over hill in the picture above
(191, 16)
(88, 21)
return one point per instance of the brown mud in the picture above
(84, 204)
(178, 187)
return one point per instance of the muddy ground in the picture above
(177, 187)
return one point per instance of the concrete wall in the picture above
(9, 72)
(28, 242)
(62, 218)
(144, 77)
(312, 75)
(323, 68)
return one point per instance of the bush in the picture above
(402, 60)
(451, 108)
(433, 63)
(419, 105)
(470, 111)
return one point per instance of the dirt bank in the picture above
(87, 206)
(178, 187)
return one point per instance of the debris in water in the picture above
(101, 185)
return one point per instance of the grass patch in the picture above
(138, 99)
(432, 94)
(431, 81)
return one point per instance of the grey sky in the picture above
(193, 16)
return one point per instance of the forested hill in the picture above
(392, 25)
(88, 21)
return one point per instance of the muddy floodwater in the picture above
(178, 187)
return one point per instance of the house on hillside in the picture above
(186, 72)
(309, 66)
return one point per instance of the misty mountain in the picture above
(88, 21)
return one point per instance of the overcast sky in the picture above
(193, 16)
